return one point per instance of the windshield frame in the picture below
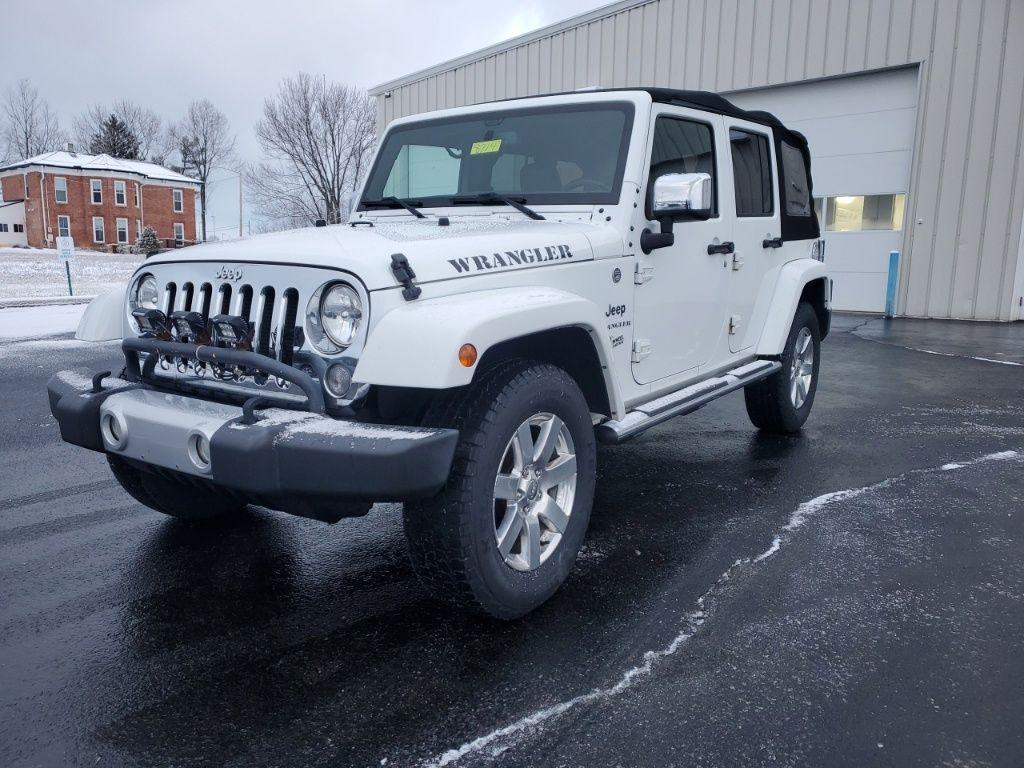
(627, 108)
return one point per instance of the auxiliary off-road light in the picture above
(231, 331)
(153, 324)
(190, 327)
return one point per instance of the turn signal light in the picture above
(467, 355)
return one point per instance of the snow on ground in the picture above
(37, 272)
(35, 322)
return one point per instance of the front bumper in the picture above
(287, 460)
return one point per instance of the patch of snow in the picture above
(38, 346)
(501, 739)
(304, 423)
(965, 357)
(428, 229)
(35, 322)
(102, 162)
(38, 273)
(83, 383)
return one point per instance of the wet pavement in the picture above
(850, 596)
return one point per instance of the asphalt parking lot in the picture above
(852, 596)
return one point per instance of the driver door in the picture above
(680, 319)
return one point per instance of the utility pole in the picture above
(240, 205)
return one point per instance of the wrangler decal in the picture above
(525, 257)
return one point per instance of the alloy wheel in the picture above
(534, 491)
(801, 370)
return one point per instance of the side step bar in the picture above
(684, 401)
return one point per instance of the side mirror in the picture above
(676, 197)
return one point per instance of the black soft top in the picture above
(715, 102)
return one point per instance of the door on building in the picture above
(861, 135)
(679, 317)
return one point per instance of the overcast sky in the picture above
(164, 53)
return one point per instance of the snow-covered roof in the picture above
(77, 160)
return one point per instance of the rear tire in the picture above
(172, 497)
(490, 541)
(781, 403)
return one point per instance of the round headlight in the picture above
(146, 295)
(333, 317)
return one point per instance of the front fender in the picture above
(417, 345)
(788, 288)
(104, 317)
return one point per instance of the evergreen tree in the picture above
(149, 243)
(116, 139)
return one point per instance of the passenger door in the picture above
(756, 229)
(680, 312)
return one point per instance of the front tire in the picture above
(503, 535)
(781, 403)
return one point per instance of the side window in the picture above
(683, 146)
(752, 173)
(796, 190)
(424, 171)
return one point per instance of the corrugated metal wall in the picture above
(966, 195)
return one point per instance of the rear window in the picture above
(797, 188)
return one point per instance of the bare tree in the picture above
(29, 126)
(144, 124)
(316, 137)
(205, 142)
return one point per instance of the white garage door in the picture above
(861, 133)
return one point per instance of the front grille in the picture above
(274, 321)
(272, 297)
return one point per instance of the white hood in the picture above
(469, 246)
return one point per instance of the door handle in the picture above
(774, 242)
(726, 247)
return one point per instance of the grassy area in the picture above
(37, 272)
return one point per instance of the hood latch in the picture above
(403, 273)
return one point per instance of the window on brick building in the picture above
(120, 193)
(122, 230)
(64, 226)
(98, 236)
(179, 232)
(60, 189)
(179, 200)
(138, 195)
(138, 229)
(97, 190)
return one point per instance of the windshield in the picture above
(552, 155)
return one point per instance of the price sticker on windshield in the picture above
(485, 147)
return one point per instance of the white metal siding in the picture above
(860, 129)
(966, 195)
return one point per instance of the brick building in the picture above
(100, 201)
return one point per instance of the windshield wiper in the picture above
(491, 198)
(391, 201)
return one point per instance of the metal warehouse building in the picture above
(914, 110)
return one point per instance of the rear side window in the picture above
(796, 190)
(683, 146)
(752, 173)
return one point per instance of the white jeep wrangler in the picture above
(519, 280)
